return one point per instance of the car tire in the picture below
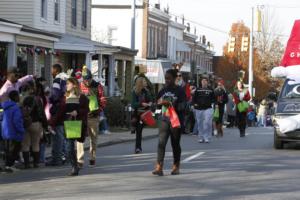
(278, 144)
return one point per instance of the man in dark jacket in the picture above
(56, 97)
(202, 101)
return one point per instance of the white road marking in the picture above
(188, 159)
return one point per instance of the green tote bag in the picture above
(243, 106)
(93, 104)
(73, 129)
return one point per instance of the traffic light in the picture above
(231, 44)
(245, 44)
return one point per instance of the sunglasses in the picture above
(178, 75)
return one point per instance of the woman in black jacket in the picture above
(141, 102)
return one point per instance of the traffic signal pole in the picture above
(250, 78)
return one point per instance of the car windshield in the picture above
(290, 90)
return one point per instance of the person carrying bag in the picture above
(75, 110)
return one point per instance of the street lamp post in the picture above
(133, 24)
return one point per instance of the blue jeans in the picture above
(204, 123)
(58, 144)
(103, 126)
(70, 144)
(42, 152)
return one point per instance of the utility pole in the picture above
(250, 78)
(133, 24)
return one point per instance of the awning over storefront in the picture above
(74, 44)
(155, 69)
(186, 67)
(181, 46)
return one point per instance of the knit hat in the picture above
(86, 73)
(290, 63)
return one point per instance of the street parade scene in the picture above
(149, 99)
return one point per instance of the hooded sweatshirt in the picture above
(12, 124)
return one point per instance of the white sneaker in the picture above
(215, 132)
(206, 141)
(201, 141)
(106, 132)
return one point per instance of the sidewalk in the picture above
(116, 138)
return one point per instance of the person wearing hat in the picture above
(221, 100)
(95, 92)
(13, 82)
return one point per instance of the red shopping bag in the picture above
(147, 118)
(174, 119)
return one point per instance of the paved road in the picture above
(229, 168)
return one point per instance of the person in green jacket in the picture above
(141, 102)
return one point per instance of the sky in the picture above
(220, 14)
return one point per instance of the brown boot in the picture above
(158, 170)
(175, 169)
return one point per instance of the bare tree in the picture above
(99, 35)
(268, 42)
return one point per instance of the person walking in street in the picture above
(262, 113)
(12, 129)
(141, 103)
(35, 122)
(171, 96)
(241, 97)
(75, 107)
(202, 101)
(13, 82)
(221, 100)
(94, 91)
(56, 121)
(231, 112)
(183, 116)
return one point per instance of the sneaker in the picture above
(92, 163)
(8, 170)
(137, 151)
(201, 141)
(206, 141)
(215, 132)
(106, 132)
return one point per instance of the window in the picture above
(84, 14)
(44, 9)
(74, 11)
(56, 10)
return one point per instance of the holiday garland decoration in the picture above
(38, 51)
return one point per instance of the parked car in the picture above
(288, 104)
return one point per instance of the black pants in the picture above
(138, 133)
(241, 120)
(165, 130)
(231, 121)
(72, 153)
(12, 150)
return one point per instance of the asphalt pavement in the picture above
(228, 168)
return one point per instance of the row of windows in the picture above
(44, 6)
(157, 42)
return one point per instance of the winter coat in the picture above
(138, 99)
(245, 94)
(9, 86)
(12, 124)
(57, 95)
(95, 89)
(262, 110)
